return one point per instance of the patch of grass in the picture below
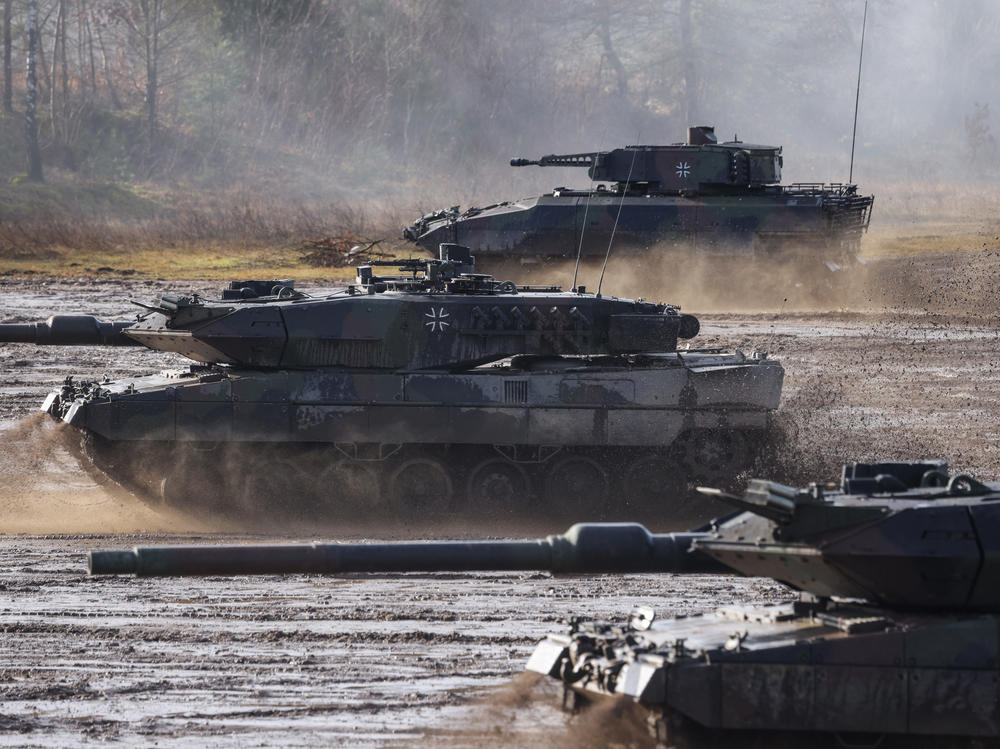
(182, 260)
(23, 200)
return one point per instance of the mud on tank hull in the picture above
(797, 674)
(592, 437)
(824, 219)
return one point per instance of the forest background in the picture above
(253, 125)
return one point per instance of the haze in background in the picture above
(427, 100)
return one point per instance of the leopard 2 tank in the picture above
(429, 390)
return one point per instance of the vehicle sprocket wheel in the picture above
(498, 487)
(578, 486)
(714, 457)
(420, 487)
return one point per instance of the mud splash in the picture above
(46, 489)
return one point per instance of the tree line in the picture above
(400, 88)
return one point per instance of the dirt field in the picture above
(905, 367)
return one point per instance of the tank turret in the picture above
(431, 314)
(695, 167)
(422, 388)
(894, 631)
(722, 197)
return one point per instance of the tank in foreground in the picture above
(892, 638)
(704, 195)
(429, 391)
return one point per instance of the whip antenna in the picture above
(857, 93)
(586, 210)
(621, 202)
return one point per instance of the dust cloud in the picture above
(959, 285)
(45, 488)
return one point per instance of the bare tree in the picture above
(100, 21)
(8, 85)
(30, 123)
(86, 33)
(157, 29)
(689, 60)
(60, 72)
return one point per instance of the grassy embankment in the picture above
(78, 230)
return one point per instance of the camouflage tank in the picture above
(416, 393)
(702, 194)
(894, 634)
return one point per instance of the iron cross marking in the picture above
(683, 169)
(436, 321)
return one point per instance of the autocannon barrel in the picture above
(569, 159)
(584, 548)
(68, 330)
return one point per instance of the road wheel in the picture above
(276, 487)
(191, 478)
(348, 486)
(420, 487)
(497, 488)
(577, 486)
(714, 457)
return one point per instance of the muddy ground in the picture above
(905, 367)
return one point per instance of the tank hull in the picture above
(431, 440)
(820, 218)
(792, 669)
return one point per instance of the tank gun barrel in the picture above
(68, 330)
(568, 159)
(589, 548)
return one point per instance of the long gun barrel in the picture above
(585, 548)
(568, 159)
(68, 330)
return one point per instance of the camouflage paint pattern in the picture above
(898, 633)
(453, 381)
(705, 195)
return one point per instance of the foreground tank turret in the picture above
(700, 194)
(894, 632)
(425, 390)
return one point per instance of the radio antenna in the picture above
(621, 202)
(857, 93)
(586, 210)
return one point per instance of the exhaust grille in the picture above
(515, 391)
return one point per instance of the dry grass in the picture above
(195, 237)
(918, 217)
(242, 233)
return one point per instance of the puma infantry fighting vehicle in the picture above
(893, 636)
(414, 393)
(701, 194)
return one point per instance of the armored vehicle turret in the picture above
(892, 632)
(701, 194)
(419, 391)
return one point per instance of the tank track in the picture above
(415, 482)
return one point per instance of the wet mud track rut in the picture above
(392, 659)
(295, 661)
